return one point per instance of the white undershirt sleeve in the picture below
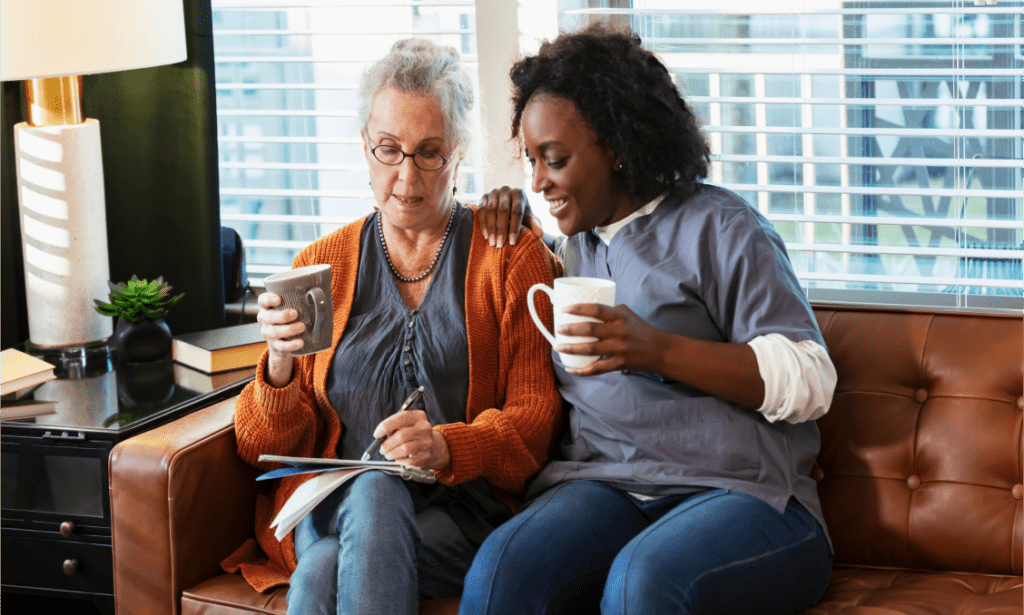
(799, 378)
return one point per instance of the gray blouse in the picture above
(387, 351)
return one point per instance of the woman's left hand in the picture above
(624, 340)
(413, 441)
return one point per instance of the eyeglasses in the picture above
(392, 156)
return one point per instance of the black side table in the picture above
(54, 489)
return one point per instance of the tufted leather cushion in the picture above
(921, 449)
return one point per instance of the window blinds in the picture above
(882, 138)
(292, 167)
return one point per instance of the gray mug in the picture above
(307, 290)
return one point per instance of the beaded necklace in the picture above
(433, 263)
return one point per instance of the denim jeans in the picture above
(586, 543)
(365, 550)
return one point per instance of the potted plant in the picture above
(140, 307)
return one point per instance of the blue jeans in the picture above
(365, 550)
(716, 551)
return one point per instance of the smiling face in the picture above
(576, 173)
(409, 197)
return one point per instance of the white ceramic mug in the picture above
(307, 290)
(570, 291)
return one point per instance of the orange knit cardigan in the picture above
(512, 415)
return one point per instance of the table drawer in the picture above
(41, 563)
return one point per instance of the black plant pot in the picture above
(146, 340)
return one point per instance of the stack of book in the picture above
(207, 360)
(20, 372)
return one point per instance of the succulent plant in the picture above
(137, 299)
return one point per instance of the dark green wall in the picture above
(158, 127)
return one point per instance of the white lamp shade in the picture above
(56, 38)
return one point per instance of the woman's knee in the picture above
(373, 499)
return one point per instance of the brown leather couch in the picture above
(919, 476)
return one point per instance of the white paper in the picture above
(307, 496)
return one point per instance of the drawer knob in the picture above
(66, 529)
(70, 566)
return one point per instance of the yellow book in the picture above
(218, 350)
(19, 370)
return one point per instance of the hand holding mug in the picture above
(621, 339)
(568, 292)
(296, 316)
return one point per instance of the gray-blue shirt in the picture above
(711, 268)
(387, 351)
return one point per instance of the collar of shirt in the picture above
(607, 232)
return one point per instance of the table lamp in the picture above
(50, 44)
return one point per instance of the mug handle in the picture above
(317, 297)
(533, 310)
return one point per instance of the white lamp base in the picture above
(63, 231)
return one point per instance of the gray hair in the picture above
(422, 66)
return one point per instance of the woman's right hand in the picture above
(502, 212)
(282, 330)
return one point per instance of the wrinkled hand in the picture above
(413, 441)
(502, 213)
(624, 340)
(279, 327)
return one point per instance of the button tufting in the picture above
(1017, 491)
(817, 473)
(913, 481)
(1020, 402)
(920, 396)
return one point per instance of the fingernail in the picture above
(486, 236)
(491, 241)
(500, 242)
(512, 240)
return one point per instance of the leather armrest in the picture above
(180, 501)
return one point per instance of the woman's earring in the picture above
(617, 166)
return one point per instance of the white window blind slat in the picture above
(862, 160)
(981, 223)
(866, 132)
(291, 140)
(790, 69)
(931, 102)
(752, 41)
(393, 33)
(286, 86)
(953, 251)
(870, 190)
(768, 8)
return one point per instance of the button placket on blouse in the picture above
(407, 350)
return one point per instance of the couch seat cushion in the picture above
(864, 591)
(852, 591)
(229, 594)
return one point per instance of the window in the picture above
(292, 167)
(882, 138)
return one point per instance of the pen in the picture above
(370, 450)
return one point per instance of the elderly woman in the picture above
(418, 302)
(683, 483)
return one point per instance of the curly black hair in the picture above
(627, 95)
